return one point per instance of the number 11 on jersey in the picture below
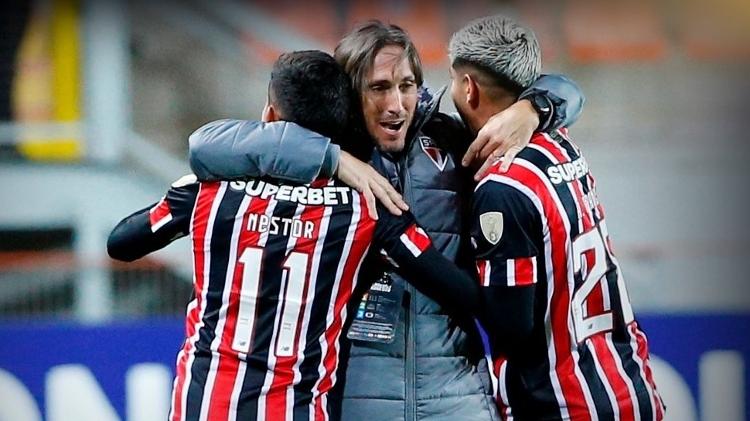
(292, 290)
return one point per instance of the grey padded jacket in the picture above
(435, 368)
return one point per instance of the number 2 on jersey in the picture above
(294, 278)
(590, 260)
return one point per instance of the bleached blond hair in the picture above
(498, 45)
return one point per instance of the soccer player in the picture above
(565, 343)
(275, 264)
(433, 367)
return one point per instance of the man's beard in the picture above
(464, 119)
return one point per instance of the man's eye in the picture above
(406, 86)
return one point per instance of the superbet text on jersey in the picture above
(541, 224)
(274, 268)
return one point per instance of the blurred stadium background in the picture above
(98, 98)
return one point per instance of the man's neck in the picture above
(489, 108)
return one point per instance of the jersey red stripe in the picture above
(318, 414)
(276, 400)
(229, 362)
(499, 366)
(642, 353)
(553, 148)
(565, 365)
(418, 237)
(206, 195)
(524, 270)
(160, 214)
(360, 244)
(595, 300)
(613, 377)
(482, 266)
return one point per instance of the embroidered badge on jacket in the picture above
(437, 155)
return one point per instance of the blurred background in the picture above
(97, 99)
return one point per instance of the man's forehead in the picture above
(391, 64)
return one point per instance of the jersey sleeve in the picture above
(408, 247)
(232, 149)
(157, 225)
(506, 229)
(400, 237)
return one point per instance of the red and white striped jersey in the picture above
(274, 267)
(541, 224)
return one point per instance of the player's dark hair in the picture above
(309, 88)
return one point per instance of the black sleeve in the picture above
(506, 231)
(154, 227)
(411, 251)
(507, 315)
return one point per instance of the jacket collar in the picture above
(428, 104)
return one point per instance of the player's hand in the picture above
(363, 178)
(504, 136)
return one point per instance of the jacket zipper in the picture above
(410, 404)
(411, 359)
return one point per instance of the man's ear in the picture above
(472, 91)
(269, 113)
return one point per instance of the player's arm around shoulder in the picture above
(156, 225)
(231, 149)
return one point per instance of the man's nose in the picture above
(394, 101)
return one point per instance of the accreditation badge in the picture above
(376, 317)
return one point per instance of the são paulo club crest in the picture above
(437, 155)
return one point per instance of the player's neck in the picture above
(487, 110)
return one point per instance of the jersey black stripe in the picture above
(569, 204)
(218, 258)
(331, 256)
(266, 309)
(574, 154)
(274, 255)
(199, 374)
(539, 160)
(633, 371)
(620, 332)
(598, 391)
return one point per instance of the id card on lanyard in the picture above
(377, 314)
